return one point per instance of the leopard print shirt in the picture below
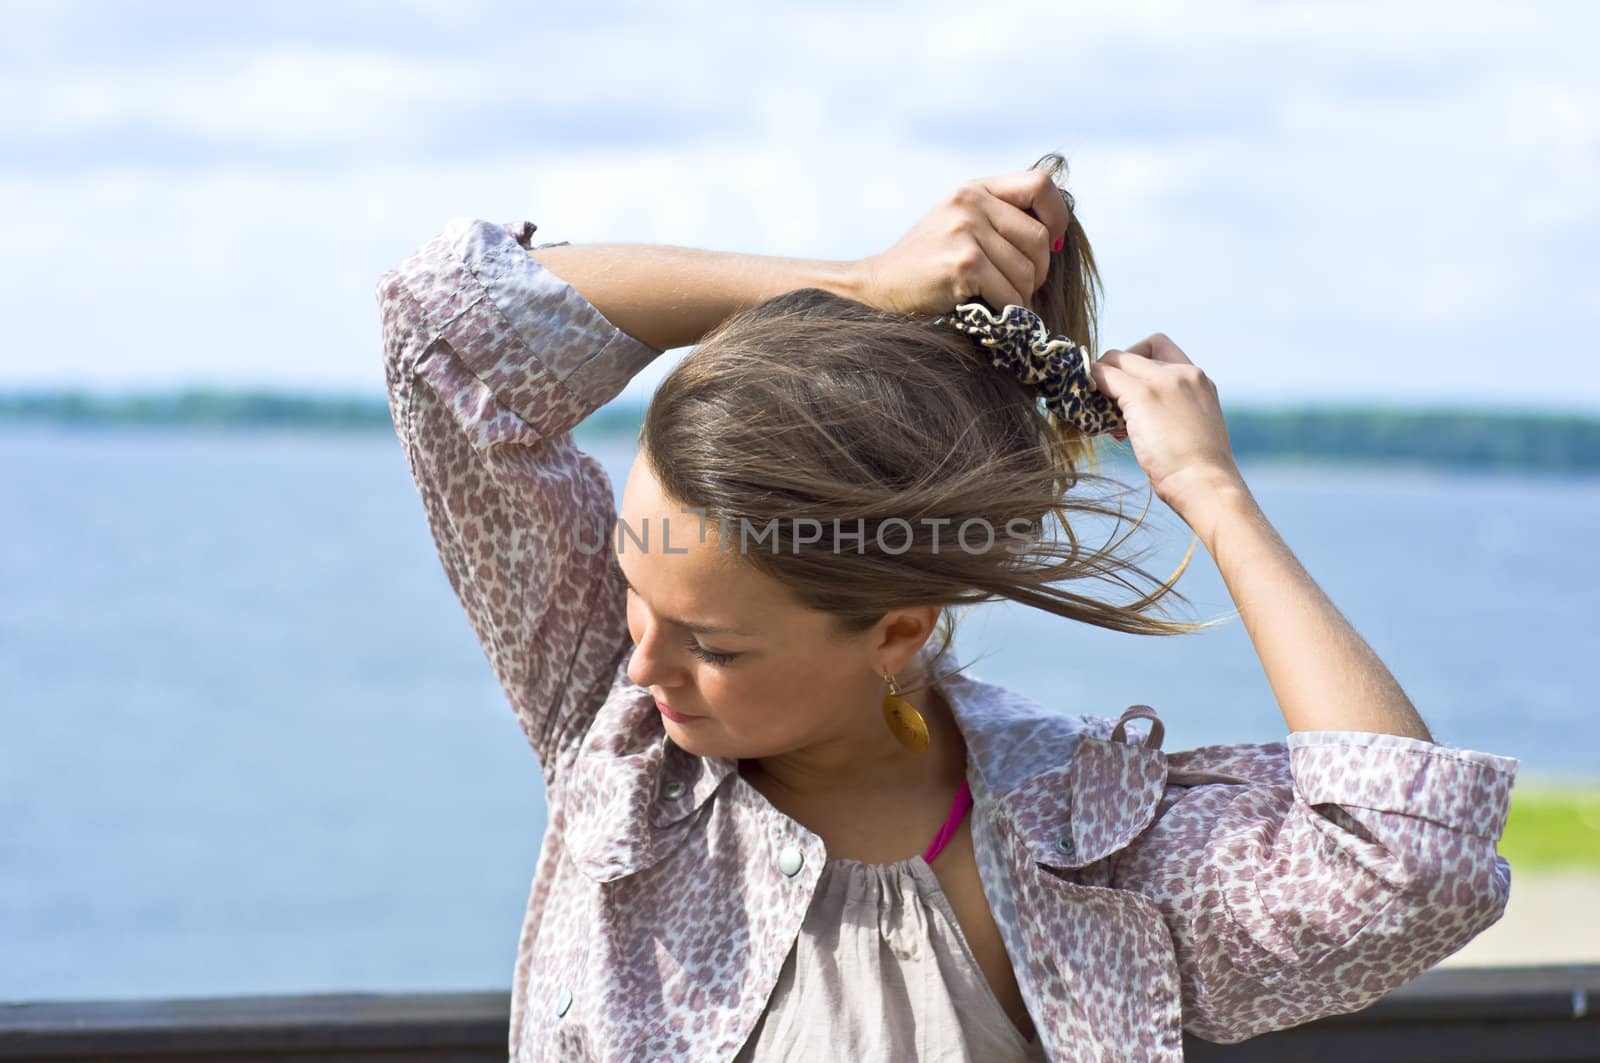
(1222, 891)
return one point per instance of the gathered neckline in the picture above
(959, 807)
(896, 865)
(958, 811)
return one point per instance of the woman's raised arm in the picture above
(1324, 675)
(1336, 865)
(672, 296)
(490, 359)
(495, 348)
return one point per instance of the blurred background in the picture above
(250, 743)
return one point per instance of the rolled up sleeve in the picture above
(490, 360)
(1317, 874)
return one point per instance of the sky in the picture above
(1378, 203)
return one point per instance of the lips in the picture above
(675, 717)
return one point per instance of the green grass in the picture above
(1552, 827)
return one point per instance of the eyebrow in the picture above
(698, 629)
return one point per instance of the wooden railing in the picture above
(1448, 1015)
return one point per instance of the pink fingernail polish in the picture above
(1061, 241)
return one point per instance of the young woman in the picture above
(782, 826)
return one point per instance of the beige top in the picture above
(881, 970)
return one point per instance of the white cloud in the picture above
(1293, 190)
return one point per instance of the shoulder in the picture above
(1011, 737)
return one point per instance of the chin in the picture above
(700, 740)
(685, 738)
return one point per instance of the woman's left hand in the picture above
(1173, 418)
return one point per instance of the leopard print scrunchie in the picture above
(1059, 368)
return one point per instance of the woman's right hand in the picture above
(978, 241)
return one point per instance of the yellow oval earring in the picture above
(904, 721)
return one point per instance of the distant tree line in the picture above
(1459, 438)
(212, 408)
(195, 407)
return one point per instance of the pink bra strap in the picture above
(957, 810)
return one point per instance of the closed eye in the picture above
(709, 656)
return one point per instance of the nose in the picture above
(652, 661)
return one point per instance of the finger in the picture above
(993, 285)
(1027, 235)
(1137, 366)
(1015, 266)
(1033, 189)
(1158, 347)
(1112, 380)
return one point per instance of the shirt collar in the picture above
(632, 790)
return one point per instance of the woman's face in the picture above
(717, 640)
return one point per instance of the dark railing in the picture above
(1448, 1015)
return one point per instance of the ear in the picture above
(902, 632)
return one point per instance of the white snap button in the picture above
(564, 1004)
(673, 790)
(791, 860)
(1064, 844)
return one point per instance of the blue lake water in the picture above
(251, 746)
